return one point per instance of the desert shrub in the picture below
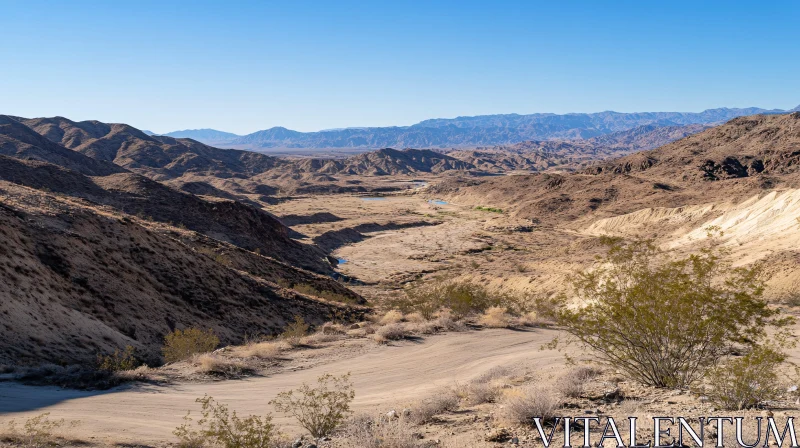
(746, 381)
(477, 393)
(212, 364)
(118, 361)
(366, 432)
(71, 377)
(391, 317)
(294, 332)
(495, 317)
(520, 406)
(446, 321)
(461, 297)
(495, 373)
(219, 427)
(665, 322)
(443, 400)
(391, 332)
(182, 344)
(36, 432)
(791, 295)
(321, 409)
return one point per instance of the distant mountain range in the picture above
(484, 130)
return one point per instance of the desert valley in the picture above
(433, 275)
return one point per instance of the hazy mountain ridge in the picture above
(486, 130)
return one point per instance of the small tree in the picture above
(319, 409)
(665, 323)
(218, 426)
(182, 344)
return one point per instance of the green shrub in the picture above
(665, 322)
(220, 427)
(118, 361)
(182, 344)
(295, 331)
(747, 381)
(320, 410)
(489, 209)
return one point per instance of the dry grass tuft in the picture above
(391, 332)
(520, 406)
(444, 400)
(212, 364)
(495, 317)
(391, 317)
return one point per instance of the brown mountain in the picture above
(95, 258)
(158, 157)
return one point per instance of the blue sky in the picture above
(311, 65)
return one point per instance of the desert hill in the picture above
(81, 279)
(730, 162)
(746, 146)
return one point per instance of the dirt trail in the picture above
(384, 377)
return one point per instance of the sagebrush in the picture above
(182, 344)
(321, 409)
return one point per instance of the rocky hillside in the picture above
(95, 257)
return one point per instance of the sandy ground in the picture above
(388, 376)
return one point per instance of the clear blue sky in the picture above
(310, 65)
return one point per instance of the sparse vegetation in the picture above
(321, 409)
(182, 344)
(681, 316)
(220, 427)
